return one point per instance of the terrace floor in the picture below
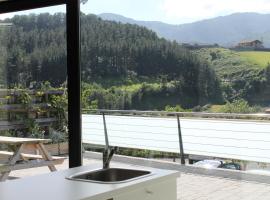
(190, 186)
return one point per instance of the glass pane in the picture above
(180, 82)
(33, 92)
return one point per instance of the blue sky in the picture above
(169, 11)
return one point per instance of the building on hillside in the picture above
(253, 44)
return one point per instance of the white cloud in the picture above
(192, 10)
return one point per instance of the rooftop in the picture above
(249, 41)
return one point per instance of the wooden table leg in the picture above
(46, 155)
(12, 161)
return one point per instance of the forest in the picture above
(124, 66)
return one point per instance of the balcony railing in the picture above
(229, 136)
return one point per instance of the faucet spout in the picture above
(107, 156)
(108, 151)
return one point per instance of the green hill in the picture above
(228, 64)
(242, 74)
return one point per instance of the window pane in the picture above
(33, 92)
(180, 82)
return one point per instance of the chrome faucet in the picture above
(107, 156)
(108, 151)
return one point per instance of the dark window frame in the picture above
(73, 65)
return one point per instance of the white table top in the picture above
(55, 186)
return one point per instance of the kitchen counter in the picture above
(55, 186)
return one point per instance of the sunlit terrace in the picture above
(169, 144)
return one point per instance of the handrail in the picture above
(184, 148)
(257, 116)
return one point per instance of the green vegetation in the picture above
(240, 78)
(124, 66)
(260, 58)
(228, 64)
(141, 96)
(176, 108)
(237, 106)
(27, 107)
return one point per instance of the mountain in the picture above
(224, 30)
(240, 73)
(162, 29)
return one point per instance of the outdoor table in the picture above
(20, 159)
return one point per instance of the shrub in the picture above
(239, 106)
(176, 108)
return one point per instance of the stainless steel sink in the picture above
(110, 175)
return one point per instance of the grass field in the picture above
(261, 58)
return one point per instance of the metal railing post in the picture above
(182, 155)
(105, 131)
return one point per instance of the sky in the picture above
(168, 11)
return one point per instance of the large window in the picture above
(33, 81)
(179, 81)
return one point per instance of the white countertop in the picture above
(54, 186)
